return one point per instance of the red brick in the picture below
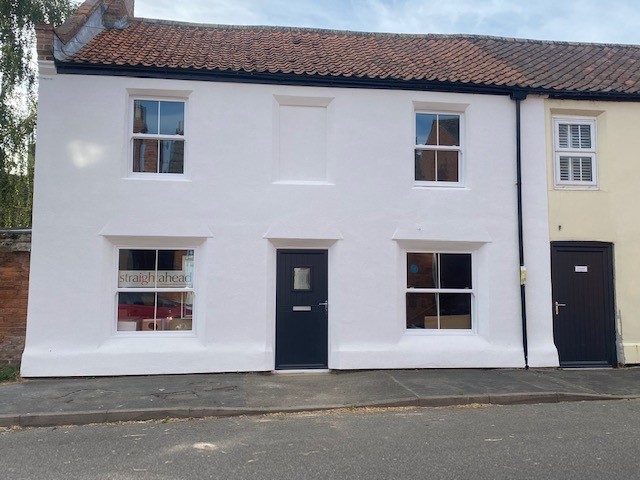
(14, 287)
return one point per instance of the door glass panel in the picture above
(302, 278)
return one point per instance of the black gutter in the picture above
(240, 76)
(518, 96)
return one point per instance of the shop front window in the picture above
(155, 290)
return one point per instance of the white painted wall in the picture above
(235, 214)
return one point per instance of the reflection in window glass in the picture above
(171, 118)
(145, 116)
(426, 129)
(145, 155)
(446, 166)
(436, 166)
(425, 165)
(421, 309)
(422, 270)
(163, 121)
(155, 290)
(431, 299)
(448, 130)
(437, 152)
(158, 156)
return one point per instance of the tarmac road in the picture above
(581, 440)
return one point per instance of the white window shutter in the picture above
(563, 135)
(564, 169)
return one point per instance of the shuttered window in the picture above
(575, 151)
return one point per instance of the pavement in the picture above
(77, 401)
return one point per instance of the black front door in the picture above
(301, 309)
(583, 303)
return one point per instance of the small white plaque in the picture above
(581, 269)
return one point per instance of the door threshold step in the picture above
(302, 370)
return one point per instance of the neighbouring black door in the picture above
(301, 309)
(583, 303)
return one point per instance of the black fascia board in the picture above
(240, 76)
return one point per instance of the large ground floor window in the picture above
(439, 293)
(155, 290)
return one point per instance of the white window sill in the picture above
(163, 177)
(156, 334)
(439, 186)
(303, 182)
(420, 332)
(576, 187)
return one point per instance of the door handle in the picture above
(557, 307)
(325, 304)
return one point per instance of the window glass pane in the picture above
(171, 156)
(455, 310)
(422, 311)
(175, 310)
(175, 269)
(172, 118)
(425, 167)
(145, 116)
(136, 268)
(134, 308)
(455, 270)
(422, 270)
(426, 131)
(145, 156)
(447, 166)
(448, 130)
(302, 278)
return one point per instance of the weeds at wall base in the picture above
(9, 373)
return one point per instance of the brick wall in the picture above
(15, 246)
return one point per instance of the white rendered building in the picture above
(208, 218)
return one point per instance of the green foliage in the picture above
(9, 373)
(18, 74)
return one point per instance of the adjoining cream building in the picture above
(594, 226)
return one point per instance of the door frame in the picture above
(321, 246)
(607, 249)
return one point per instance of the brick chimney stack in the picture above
(91, 17)
(44, 41)
(117, 11)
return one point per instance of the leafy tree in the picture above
(18, 77)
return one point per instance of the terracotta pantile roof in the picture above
(454, 59)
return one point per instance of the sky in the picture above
(601, 21)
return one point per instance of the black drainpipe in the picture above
(518, 96)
